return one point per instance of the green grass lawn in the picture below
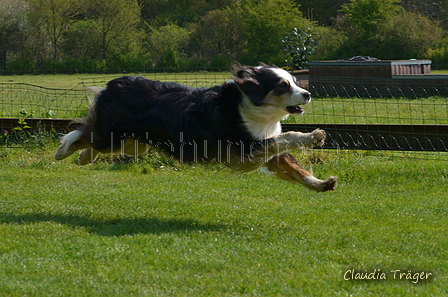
(439, 71)
(139, 229)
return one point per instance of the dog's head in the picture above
(272, 87)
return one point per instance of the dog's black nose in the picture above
(306, 95)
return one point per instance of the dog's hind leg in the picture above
(286, 167)
(88, 156)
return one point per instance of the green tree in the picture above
(322, 11)
(368, 15)
(382, 29)
(330, 41)
(12, 28)
(435, 9)
(166, 43)
(114, 21)
(179, 12)
(263, 23)
(82, 41)
(409, 35)
(52, 17)
(217, 35)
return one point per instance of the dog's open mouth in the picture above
(295, 109)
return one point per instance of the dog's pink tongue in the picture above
(295, 109)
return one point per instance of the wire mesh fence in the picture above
(365, 122)
(32, 101)
(381, 87)
(362, 110)
(35, 101)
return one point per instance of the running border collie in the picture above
(237, 123)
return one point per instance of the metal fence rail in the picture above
(433, 138)
(376, 88)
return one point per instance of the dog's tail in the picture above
(73, 141)
(66, 147)
(90, 118)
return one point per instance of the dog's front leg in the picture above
(283, 143)
(295, 140)
(291, 140)
(275, 157)
(286, 167)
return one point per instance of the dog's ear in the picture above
(247, 83)
(246, 73)
(246, 77)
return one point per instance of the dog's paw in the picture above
(318, 137)
(330, 184)
(318, 185)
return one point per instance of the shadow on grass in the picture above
(114, 227)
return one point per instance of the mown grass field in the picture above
(152, 228)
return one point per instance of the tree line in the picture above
(67, 36)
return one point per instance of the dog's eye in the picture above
(284, 84)
(283, 87)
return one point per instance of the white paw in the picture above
(318, 185)
(318, 137)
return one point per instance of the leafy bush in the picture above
(386, 34)
(263, 23)
(439, 54)
(220, 62)
(166, 44)
(25, 64)
(329, 41)
(299, 45)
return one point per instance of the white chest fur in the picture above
(262, 122)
